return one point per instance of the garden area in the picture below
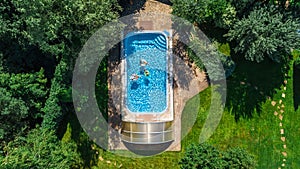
(257, 43)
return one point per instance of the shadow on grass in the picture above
(251, 84)
(101, 87)
(296, 87)
(84, 144)
(193, 117)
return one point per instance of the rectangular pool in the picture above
(146, 72)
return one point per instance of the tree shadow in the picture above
(101, 87)
(182, 65)
(214, 33)
(82, 140)
(26, 58)
(251, 84)
(114, 95)
(296, 87)
(167, 2)
(131, 6)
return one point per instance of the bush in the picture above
(207, 156)
(40, 149)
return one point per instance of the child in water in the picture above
(134, 77)
(143, 62)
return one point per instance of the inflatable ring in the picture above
(146, 73)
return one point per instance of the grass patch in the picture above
(223, 48)
(259, 135)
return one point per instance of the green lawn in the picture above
(259, 133)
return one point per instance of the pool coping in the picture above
(168, 113)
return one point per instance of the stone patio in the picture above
(188, 80)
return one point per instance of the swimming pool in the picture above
(146, 93)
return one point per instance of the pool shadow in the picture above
(147, 149)
(146, 81)
(134, 85)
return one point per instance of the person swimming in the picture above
(134, 77)
(143, 62)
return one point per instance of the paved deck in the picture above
(188, 81)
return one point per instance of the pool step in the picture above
(160, 42)
(147, 133)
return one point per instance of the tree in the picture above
(21, 98)
(208, 157)
(265, 33)
(41, 34)
(244, 7)
(12, 113)
(52, 109)
(38, 33)
(216, 64)
(219, 13)
(40, 149)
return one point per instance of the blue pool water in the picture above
(147, 94)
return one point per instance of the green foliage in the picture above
(205, 57)
(208, 157)
(223, 47)
(52, 109)
(12, 111)
(202, 156)
(265, 33)
(31, 87)
(102, 88)
(40, 149)
(296, 54)
(219, 13)
(239, 158)
(244, 7)
(297, 63)
(65, 95)
(38, 33)
(53, 25)
(296, 57)
(21, 100)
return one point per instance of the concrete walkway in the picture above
(188, 80)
